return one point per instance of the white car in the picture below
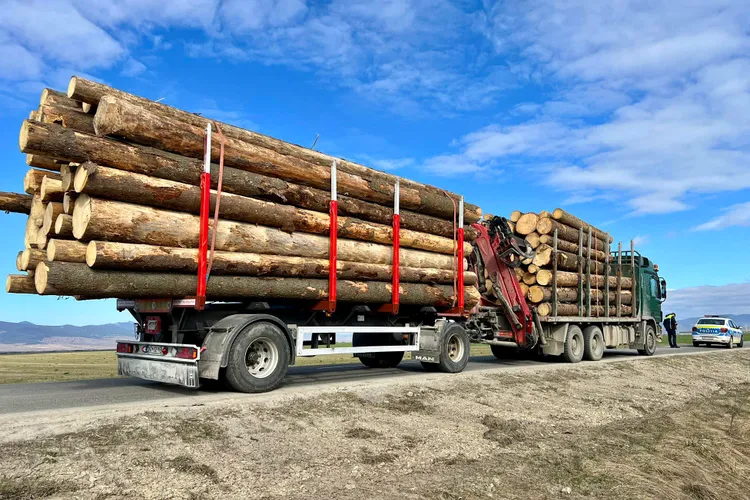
(710, 330)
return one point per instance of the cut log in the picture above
(533, 239)
(50, 216)
(544, 294)
(92, 92)
(533, 269)
(30, 258)
(29, 238)
(32, 182)
(69, 200)
(519, 274)
(67, 251)
(51, 189)
(564, 217)
(67, 176)
(37, 210)
(568, 246)
(64, 226)
(44, 162)
(72, 118)
(121, 118)
(529, 278)
(568, 279)
(543, 256)
(19, 283)
(526, 224)
(66, 278)
(144, 190)
(524, 289)
(19, 260)
(88, 108)
(15, 202)
(55, 141)
(96, 219)
(33, 115)
(545, 309)
(547, 225)
(515, 215)
(128, 256)
(52, 97)
(565, 260)
(41, 239)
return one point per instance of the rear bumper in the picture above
(183, 372)
(712, 339)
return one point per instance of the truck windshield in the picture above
(719, 322)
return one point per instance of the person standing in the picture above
(670, 324)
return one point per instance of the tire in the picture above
(696, 344)
(593, 343)
(574, 345)
(730, 345)
(258, 358)
(742, 341)
(380, 359)
(649, 344)
(455, 349)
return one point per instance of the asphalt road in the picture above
(15, 398)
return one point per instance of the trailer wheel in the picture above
(574, 344)
(455, 349)
(649, 342)
(376, 359)
(258, 359)
(593, 343)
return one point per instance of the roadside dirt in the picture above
(666, 427)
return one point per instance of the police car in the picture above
(710, 330)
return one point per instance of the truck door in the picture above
(651, 294)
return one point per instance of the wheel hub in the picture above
(261, 358)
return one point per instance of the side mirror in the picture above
(663, 286)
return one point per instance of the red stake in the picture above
(200, 295)
(461, 255)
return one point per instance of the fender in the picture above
(220, 337)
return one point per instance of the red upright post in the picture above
(200, 295)
(396, 282)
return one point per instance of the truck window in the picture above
(655, 290)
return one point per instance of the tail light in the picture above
(187, 353)
(126, 348)
(695, 329)
(724, 330)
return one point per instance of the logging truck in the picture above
(250, 344)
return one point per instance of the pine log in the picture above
(529, 278)
(568, 246)
(543, 256)
(69, 200)
(533, 239)
(88, 108)
(52, 97)
(533, 269)
(120, 118)
(140, 189)
(30, 258)
(67, 176)
(519, 274)
(67, 278)
(50, 216)
(512, 227)
(15, 202)
(545, 309)
(72, 118)
(526, 224)
(41, 239)
(515, 215)
(547, 225)
(568, 219)
(19, 283)
(67, 251)
(565, 260)
(568, 279)
(524, 289)
(32, 182)
(96, 219)
(51, 189)
(54, 141)
(38, 207)
(33, 115)
(19, 256)
(128, 256)
(29, 238)
(92, 92)
(40, 161)
(544, 294)
(64, 226)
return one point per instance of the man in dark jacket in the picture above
(670, 324)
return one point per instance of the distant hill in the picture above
(31, 334)
(743, 320)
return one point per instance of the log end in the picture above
(107, 115)
(72, 86)
(44, 96)
(557, 214)
(23, 136)
(526, 223)
(51, 250)
(40, 278)
(544, 309)
(80, 179)
(544, 277)
(91, 252)
(81, 216)
(536, 294)
(544, 225)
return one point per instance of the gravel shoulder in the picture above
(634, 428)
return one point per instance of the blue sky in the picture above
(633, 115)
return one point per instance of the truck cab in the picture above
(652, 289)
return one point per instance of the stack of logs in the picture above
(112, 198)
(574, 263)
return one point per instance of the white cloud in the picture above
(641, 240)
(148, 13)
(17, 63)
(696, 301)
(736, 215)
(386, 163)
(133, 68)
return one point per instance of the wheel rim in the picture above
(577, 345)
(456, 348)
(261, 358)
(651, 342)
(598, 344)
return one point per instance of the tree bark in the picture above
(52, 97)
(15, 202)
(31, 257)
(66, 251)
(50, 216)
(128, 256)
(568, 219)
(54, 141)
(526, 224)
(66, 278)
(539, 294)
(140, 189)
(567, 246)
(93, 92)
(51, 189)
(40, 161)
(19, 283)
(32, 182)
(568, 279)
(547, 225)
(545, 309)
(73, 118)
(64, 226)
(96, 219)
